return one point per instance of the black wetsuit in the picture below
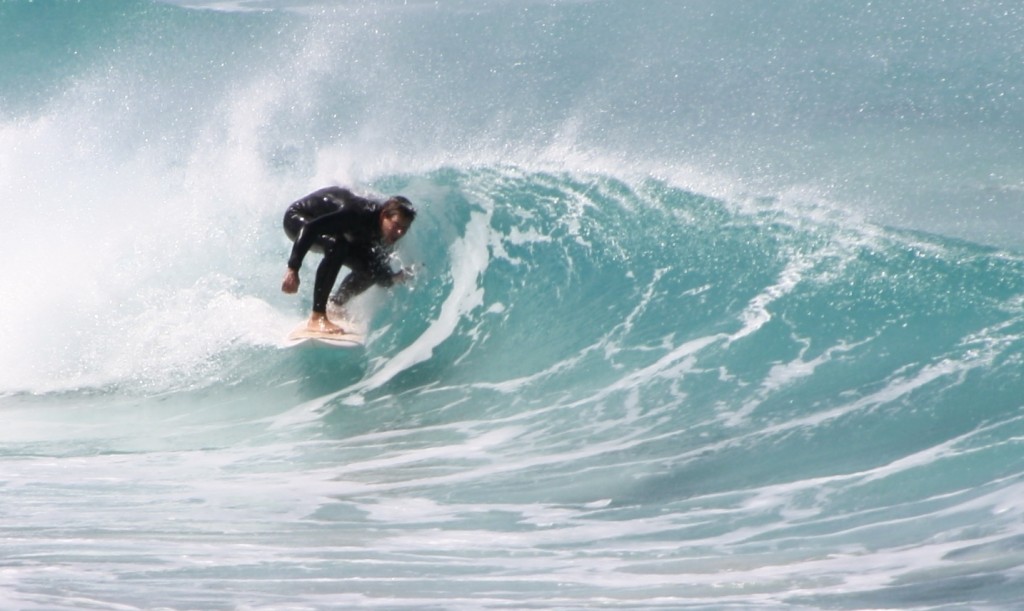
(346, 228)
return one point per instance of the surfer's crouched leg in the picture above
(326, 274)
(354, 284)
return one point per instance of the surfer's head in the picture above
(396, 215)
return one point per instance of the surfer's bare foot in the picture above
(319, 322)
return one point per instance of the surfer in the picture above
(349, 230)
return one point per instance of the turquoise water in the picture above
(719, 305)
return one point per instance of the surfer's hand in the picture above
(404, 275)
(290, 284)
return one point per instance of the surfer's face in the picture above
(393, 226)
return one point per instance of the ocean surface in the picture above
(718, 305)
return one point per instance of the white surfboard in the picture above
(354, 336)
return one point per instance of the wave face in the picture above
(715, 307)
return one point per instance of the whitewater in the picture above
(717, 305)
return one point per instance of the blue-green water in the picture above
(720, 305)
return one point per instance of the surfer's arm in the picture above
(379, 266)
(303, 242)
(332, 224)
(402, 275)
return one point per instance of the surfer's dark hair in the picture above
(399, 205)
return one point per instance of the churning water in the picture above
(720, 305)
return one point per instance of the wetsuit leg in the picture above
(353, 284)
(364, 274)
(326, 274)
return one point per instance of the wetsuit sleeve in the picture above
(330, 224)
(303, 242)
(380, 267)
